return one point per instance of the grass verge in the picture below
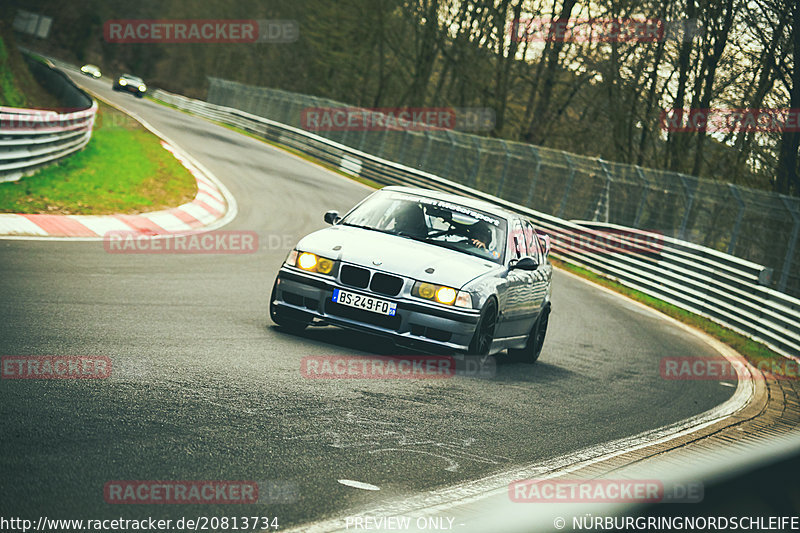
(753, 351)
(123, 169)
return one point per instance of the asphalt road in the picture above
(204, 387)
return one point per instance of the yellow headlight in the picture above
(307, 261)
(426, 290)
(324, 266)
(123, 82)
(446, 295)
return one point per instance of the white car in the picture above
(425, 268)
(91, 70)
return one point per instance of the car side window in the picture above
(532, 242)
(517, 241)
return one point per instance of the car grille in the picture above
(386, 284)
(354, 276)
(361, 315)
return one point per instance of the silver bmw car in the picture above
(431, 270)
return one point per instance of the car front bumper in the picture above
(415, 324)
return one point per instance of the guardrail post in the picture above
(689, 204)
(787, 262)
(536, 171)
(645, 191)
(506, 163)
(568, 186)
(739, 216)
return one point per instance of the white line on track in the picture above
(358, 484)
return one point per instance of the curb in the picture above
(213, 207)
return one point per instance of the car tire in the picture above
(287, 319)
(484, 331)
(533, 347)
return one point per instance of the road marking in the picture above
(358, 484)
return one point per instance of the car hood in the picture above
(398, 255)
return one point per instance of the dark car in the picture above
(131, 84)
(426, 269)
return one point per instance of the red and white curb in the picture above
(213, 207)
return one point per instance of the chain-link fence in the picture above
(756, 225)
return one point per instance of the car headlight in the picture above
(441, 294)
(310, 262)
(123, 82)
(142, 87)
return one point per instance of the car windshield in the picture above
(433, 221)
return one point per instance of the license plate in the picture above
(368, 303)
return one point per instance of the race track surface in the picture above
(204, 387)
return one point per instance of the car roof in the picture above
(456, 199)
(131, 76)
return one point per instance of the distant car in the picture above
(426, 269)
(91, 70)
(131, 84)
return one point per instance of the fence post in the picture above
(645, 190)
(476, 168)
(568, 186)
(787, 262)
(605, 196)
(402, 151)
(739, 216)
(506, 163)
(424, 161)
(448, 164)
(689, 204)
(538, 168)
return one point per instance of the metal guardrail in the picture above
(31, 138)
(713, 284)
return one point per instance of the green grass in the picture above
(123, 169)
(753, 351)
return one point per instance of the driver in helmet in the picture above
(480, 235)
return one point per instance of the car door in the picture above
(539, 278)
(514, 312)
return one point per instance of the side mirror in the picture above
(332, 217)
(526, 263)
(545, 241)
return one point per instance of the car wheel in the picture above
(287, 319)
(484, 331)
(533, 347)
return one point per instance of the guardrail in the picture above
(710, 283)
(31, 138)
